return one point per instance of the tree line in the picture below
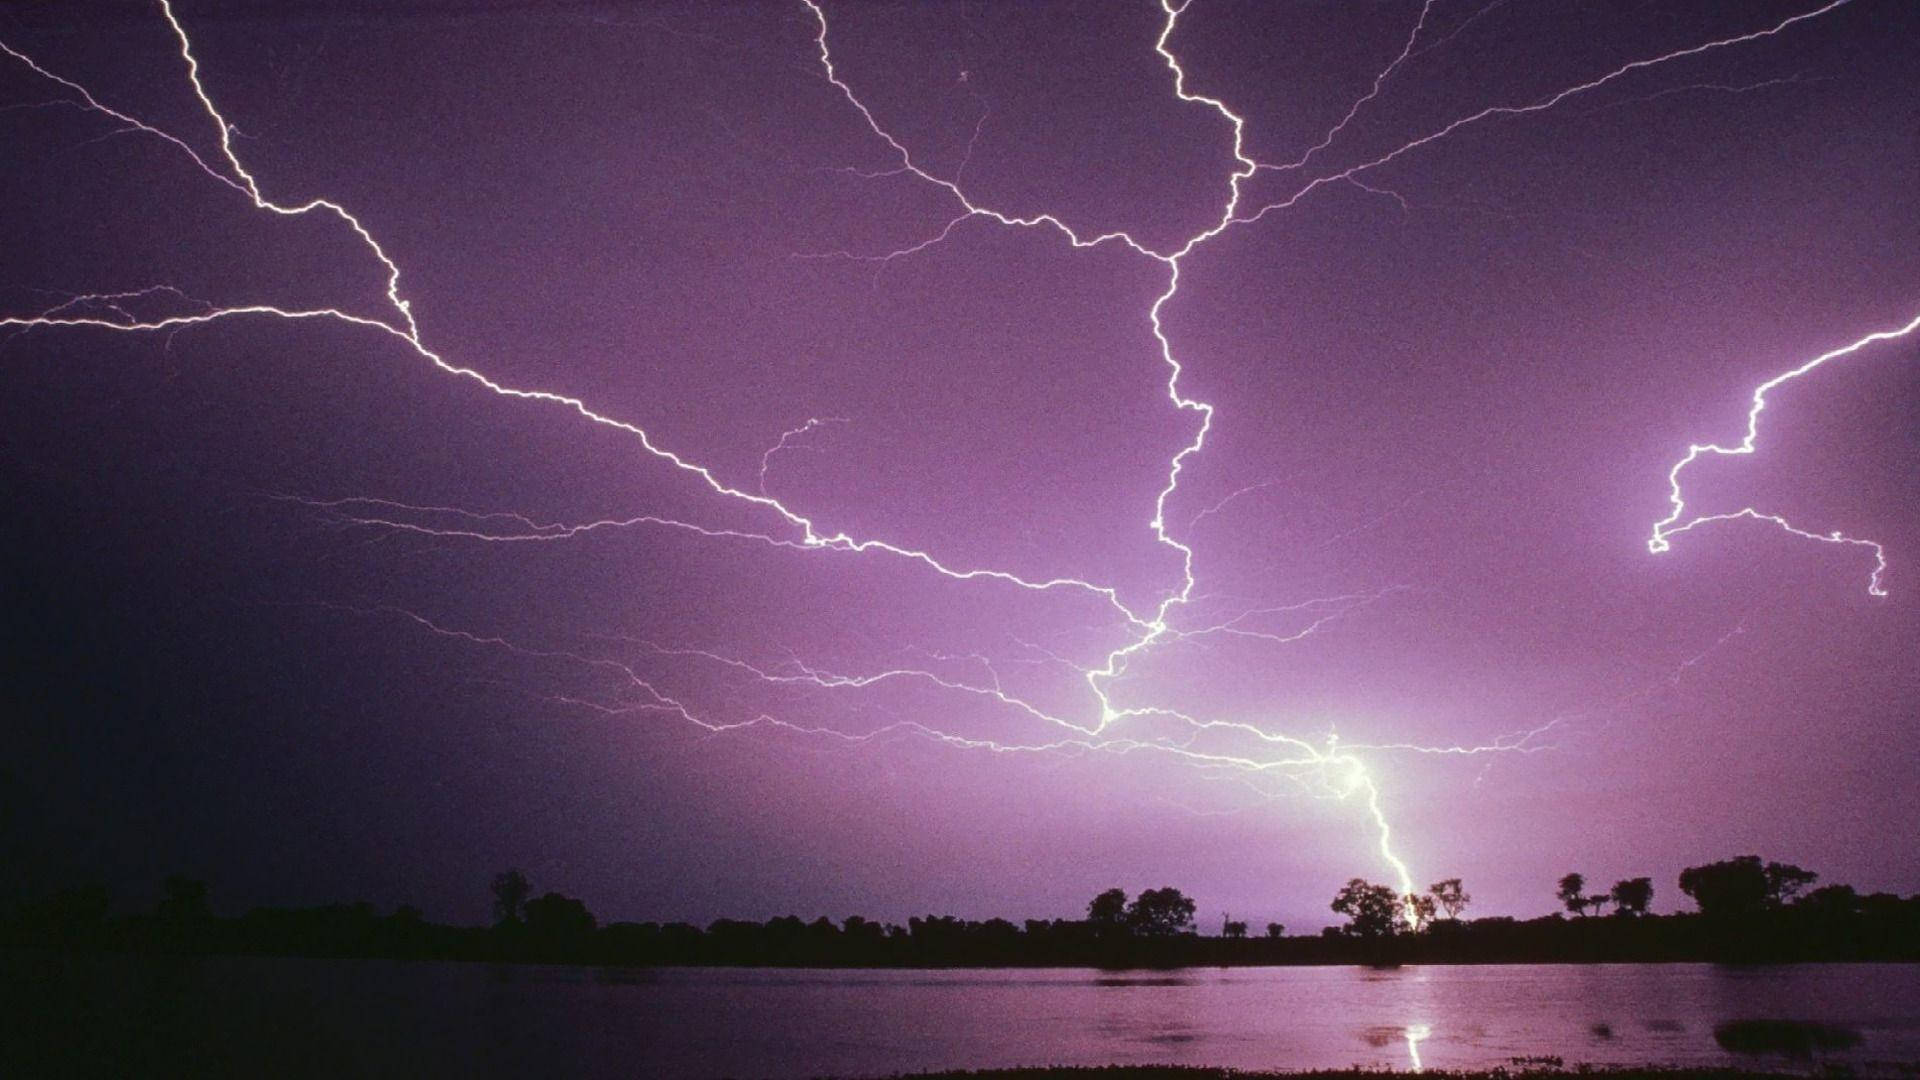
(1736, 888)
(1747, 910)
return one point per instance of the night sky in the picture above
(291, 608)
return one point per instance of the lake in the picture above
(246, 1016)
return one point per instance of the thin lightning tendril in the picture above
(1542, 105)
(1379, 80)
(813, 423)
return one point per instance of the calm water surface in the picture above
(252, 1015)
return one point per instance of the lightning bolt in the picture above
(814, 423)
(1373, 91)
(1542, 105)
(1231, 498)
(1670, 526)
(1154, 627)
(236, 176)
(1340, 769)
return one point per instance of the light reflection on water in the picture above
(395, 1018)
(1416, 1034)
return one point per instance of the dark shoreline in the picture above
(1750, 912)
(1748, 917)
(1886, 932)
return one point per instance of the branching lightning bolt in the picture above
(1542, 105)
(1373, 91)
(406, 329)
(1155, 627)
(1342, 772)
(1670, 526)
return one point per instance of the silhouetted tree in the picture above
(183, 917)
(1160, 913)
(558, 917)
(1107, 913)
(1632, 896)
(1786, 923)
(1450, 896)
(1572, 893)
(1831, 901)
(184, 902)
(1784, 882)
(863, 933)
(1372, 911)
(510, 891)
(1735, 886)
(1598, 902)
(1743, 885)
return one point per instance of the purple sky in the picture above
(291, 608)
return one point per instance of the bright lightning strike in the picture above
(1670, 526)
(405, 328)
(1156, 627)
(1342, 772)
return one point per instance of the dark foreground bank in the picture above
(1750, 911)
(1887, 933)
(1845, 928)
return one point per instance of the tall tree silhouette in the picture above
(1161, 913)
(1107, 913)
(1372, 911)
(1743, 885)
(1632, 896)
(1573, 893)
(1452, 898)
(558, 917)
